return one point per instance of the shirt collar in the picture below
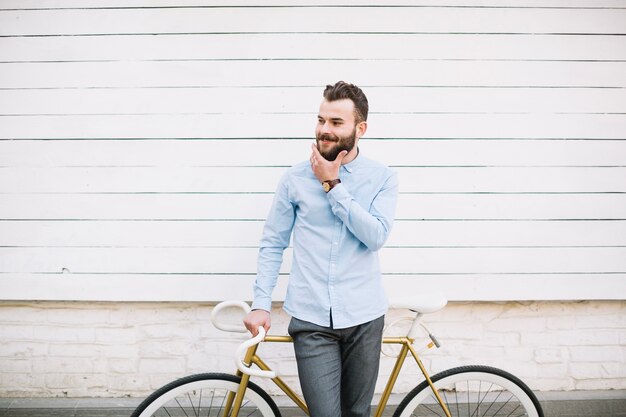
(354, 163)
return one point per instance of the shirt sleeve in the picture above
(371, 227)
(275, 238)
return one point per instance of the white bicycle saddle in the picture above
(421, 303)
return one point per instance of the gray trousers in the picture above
(338, 368)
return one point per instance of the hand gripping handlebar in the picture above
(240, 328)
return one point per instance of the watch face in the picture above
(326, 186)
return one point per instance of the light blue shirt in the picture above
(336, 238)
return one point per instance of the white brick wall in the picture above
(129, 349)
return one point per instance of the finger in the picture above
(316, 151)
(248, 326)
(341, 155)
(251, 325)
(253, 331)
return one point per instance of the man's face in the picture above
(336, 130)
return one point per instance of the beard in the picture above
(342, 143)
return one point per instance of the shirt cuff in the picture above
(336, 195)
(262, 304)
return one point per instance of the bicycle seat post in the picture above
(415, 326)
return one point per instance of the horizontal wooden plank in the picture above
(59, 4)
(504, 260)
(485, 287)
(461, 233)
(511, 206)
(318, 19)
(262, 73)
(138, 207)
(485, 126)
(210, 179)
(305, 100)
(216, 288)
(312, 46)
(243, 260)
(234, 233)
(285, 152)
(146, 207)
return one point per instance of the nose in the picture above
(325, 128)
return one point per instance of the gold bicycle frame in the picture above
(234, 400)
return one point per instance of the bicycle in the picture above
(472, 391)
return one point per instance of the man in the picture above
(339, 205)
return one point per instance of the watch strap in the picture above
(329, 184)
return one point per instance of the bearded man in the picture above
(339, 206)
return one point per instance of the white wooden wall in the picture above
(141, 141)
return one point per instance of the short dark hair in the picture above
(342, 90)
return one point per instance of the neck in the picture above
(351, 156)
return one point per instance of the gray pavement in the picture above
(555, 404)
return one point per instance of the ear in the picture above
(361, 128)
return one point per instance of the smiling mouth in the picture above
(327, 140)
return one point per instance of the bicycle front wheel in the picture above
(472, 391)
(205, 395)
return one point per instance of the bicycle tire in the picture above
(203, 395)
(475, 391)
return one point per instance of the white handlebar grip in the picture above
(239, 328)
(241, 350)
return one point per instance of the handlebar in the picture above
(420, 305)
(241, 350)
(240, 328)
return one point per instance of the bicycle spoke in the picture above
(445, 400)
(435, 410)
(468, 398)
(504, 405)
(222, 404)
(481, 400)
(181, 407)
(191, 404)
(211, 403)
(477, 410)
(494, 401)
(250, 413)
(456, 398)
(199, 404)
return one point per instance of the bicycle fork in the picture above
(235, 399)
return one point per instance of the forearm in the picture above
(371, 227)
(268, 269)
(275, 238)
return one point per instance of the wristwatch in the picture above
(329, 184)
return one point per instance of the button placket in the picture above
(334, 252)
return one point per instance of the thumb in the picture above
(341, 155)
